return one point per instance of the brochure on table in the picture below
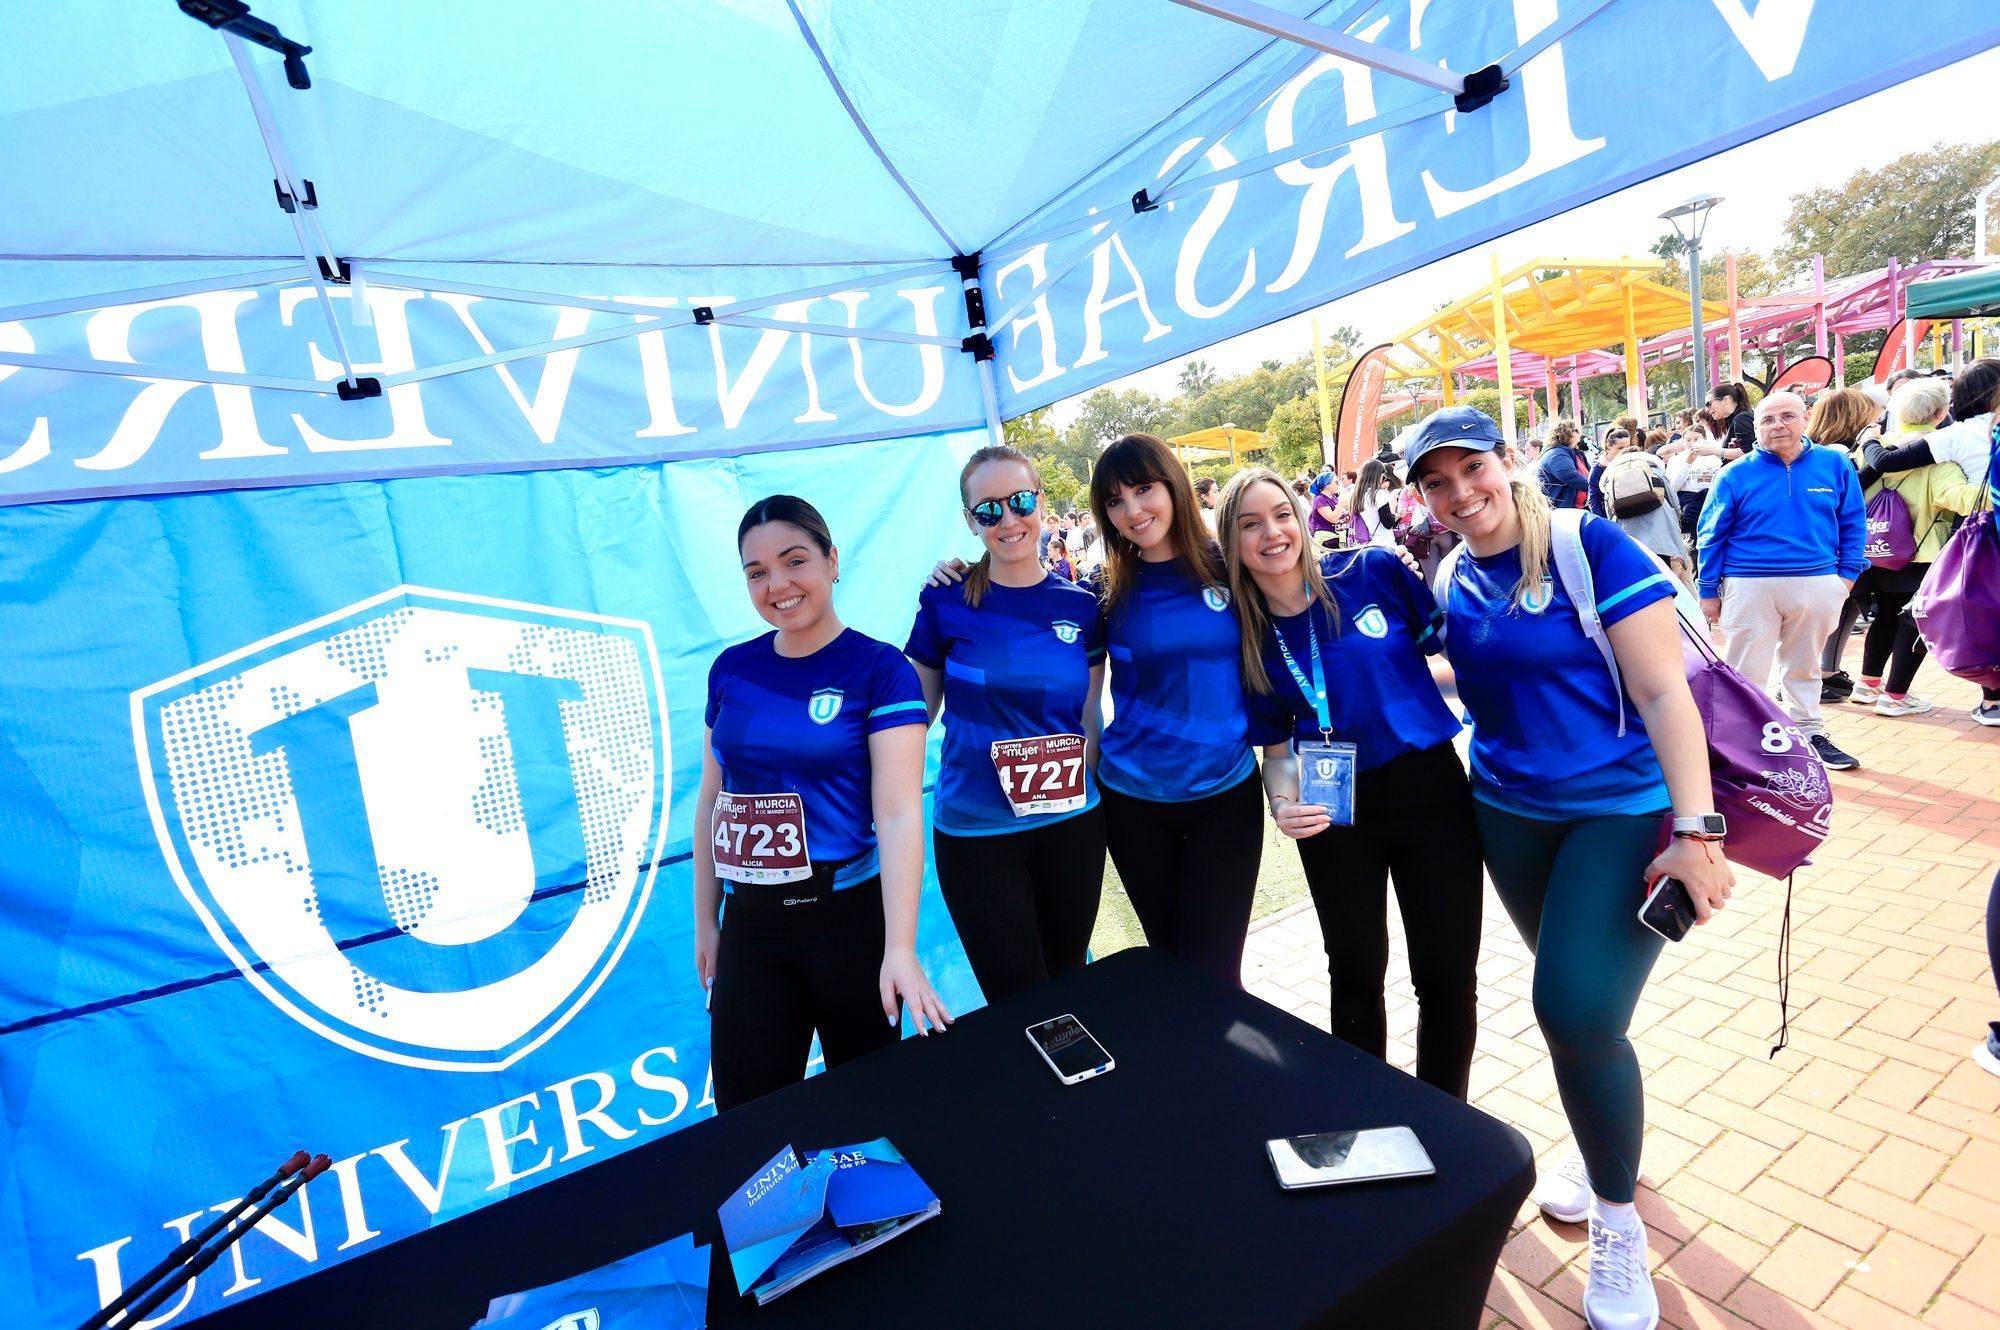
(791, 1220)
(661, 1288)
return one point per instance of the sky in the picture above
(1755, 181)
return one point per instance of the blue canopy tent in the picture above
(344, 428)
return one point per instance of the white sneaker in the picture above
(1620, 1294)
(1865, 694)
(1986, 1053)
(1908, 705)
(1987, 713)
(1563, 1192)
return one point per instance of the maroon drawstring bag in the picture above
(1957, 609)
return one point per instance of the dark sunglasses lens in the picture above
(987, 513)
(1023, 503)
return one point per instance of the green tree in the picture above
(1756, 274)
(1033, 433)
(1061, 485)
(1197, 378)
(1488, 400)
(1293, 432)
(1917, 207)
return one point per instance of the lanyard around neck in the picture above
(1315, 690)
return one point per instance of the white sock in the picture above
(1624, 1217)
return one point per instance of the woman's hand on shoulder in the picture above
(946, 572)
(903, 978)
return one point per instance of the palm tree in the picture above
(1197, 378)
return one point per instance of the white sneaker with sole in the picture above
(1987, 713)
(1908, 705)
(1620, 1294)
(1563, 1191)
(1865, 694)
(1986, 1054)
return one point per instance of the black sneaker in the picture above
(1835, 687)
(1832, 757)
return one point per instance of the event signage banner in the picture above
(671, 391)
(357, 818)
(1350, 176)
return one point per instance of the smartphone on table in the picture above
(1069, 1049)
(1330, 1158)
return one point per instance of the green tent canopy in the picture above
(1966, 295)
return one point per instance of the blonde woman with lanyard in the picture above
(1385, 735)
(1570, 810)
(811, 809)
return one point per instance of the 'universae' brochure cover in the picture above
(661, 1288)
(791, 1220)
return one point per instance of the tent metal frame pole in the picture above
(140, 295)
(274, 148)
(1276, 23)
(1552, 34)
(727, 319)
(126, 369)
(1201, 184)
(410, 282)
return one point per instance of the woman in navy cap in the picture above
(1575, 770)
(1340, 645)
(811, 812)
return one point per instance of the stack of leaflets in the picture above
(792, 1220)
(661, 1288)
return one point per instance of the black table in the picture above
(1143, 1197)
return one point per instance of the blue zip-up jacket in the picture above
(1560, 477)
(1769, 518)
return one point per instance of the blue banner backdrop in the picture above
(208, 693)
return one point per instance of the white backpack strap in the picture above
(1441, 586)
(1573, 570)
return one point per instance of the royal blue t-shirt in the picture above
(1017, 667)
(1180, 726)
(801, 724)
(1379, 693)
(1544, 718)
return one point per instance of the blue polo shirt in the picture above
(780, 723)
(1372, 643)
(1017, 667)
(1545, 738)
(1180, 726)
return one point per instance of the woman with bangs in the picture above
(1341, 644)
(1573, 781)
(1014, 655)
(1178, 778)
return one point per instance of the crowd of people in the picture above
(1281, 647)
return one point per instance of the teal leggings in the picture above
(1573, 889)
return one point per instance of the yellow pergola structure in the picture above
(1553, 308)
(1208, 445)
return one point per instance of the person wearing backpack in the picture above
(1639, 499)
(1911, 514)
(1572, 790)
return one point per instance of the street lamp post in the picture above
(1689, 220)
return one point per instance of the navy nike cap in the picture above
(1453, 427)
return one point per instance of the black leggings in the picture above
(1413, 819)
(783, 971)
(1191, 871)
(1893, 641)
(1024, 902)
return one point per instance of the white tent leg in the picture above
(1279, 24)
(989, 398)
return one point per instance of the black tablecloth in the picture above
(1143, 1197)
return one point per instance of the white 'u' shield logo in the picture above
(824, 706)
(425, 826)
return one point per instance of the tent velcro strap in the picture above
(291, 204)
(979, 345)
(1143, 202)
(360, 388)
(343, 274)
(1481, 87)
(703, 315)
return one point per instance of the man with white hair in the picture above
(1780, 542)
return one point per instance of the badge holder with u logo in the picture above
(1326, 768)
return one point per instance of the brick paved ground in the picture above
(1855, 1180)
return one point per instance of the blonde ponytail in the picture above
(1534, 513)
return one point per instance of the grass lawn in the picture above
(1280, 883)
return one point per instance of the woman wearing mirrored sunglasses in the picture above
(1014, 656)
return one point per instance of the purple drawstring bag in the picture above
(1892, 539)
(1765, 777)
(1957, 609)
